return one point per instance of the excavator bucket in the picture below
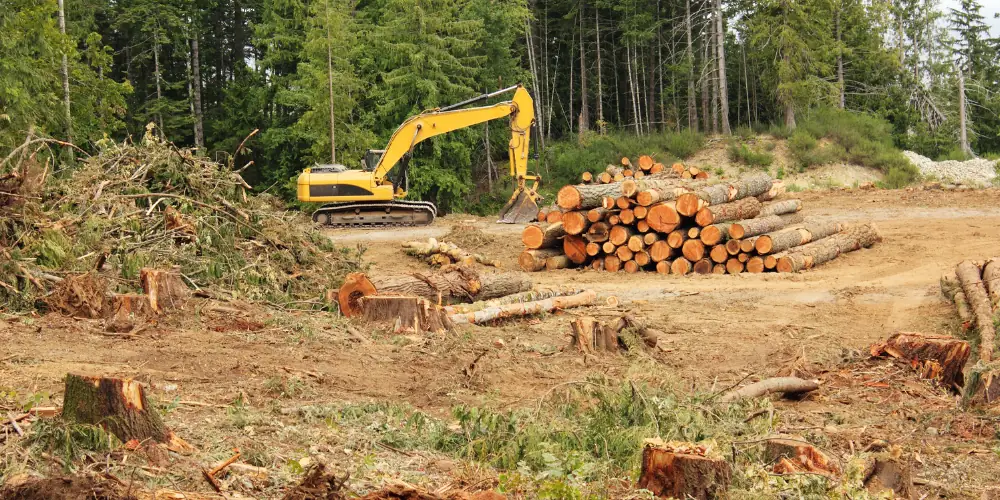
(521, 208)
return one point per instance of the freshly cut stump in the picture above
(120, 406)
(934, 356)
(982, 387)
(535, 237)
(684, 471)
(889, 473)
(82, 295)
(404, 313)
(791, 455)
(165, 289)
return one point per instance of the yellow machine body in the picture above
(371, 185)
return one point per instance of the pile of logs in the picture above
(443, 253)
(674, 225)
(975, 290)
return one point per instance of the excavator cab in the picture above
(370, 160)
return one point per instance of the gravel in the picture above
(978, 171)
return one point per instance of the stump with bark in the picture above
(982, 386)
(166, 289)
(404, 314)
(119, 406)
(683, 470)
(935, 356)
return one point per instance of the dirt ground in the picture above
(721, 330)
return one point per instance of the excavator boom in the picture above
(371, 188)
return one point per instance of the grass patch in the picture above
(741, 153)
(850, 137)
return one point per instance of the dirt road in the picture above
(721, 329)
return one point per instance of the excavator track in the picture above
(375, 215)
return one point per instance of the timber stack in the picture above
(674, 222)
(975, 290)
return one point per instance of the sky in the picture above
(989, 10)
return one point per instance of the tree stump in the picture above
(120, 407)
(683, 470)
(126, 311)
(889, 473)
(791, 455)
(165, 289)
(935, 356)
(982, 387)
(404, 313)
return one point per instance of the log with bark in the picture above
(826, 249)
(936, 357)
(585, 196)
(782, 385)
(449, 285)
(120, 406)
(952, 290)
(683, 470)
(452, 253)
(585, 298)
(746, 208)
(514, 298)
(780, 208)
(780, 241)
(753, 227)
(970, 277)
(754, 185)
(535, 237)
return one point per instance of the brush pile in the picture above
(675, 224)
(152, 205)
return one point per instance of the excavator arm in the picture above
(522, 206)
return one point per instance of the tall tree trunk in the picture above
(631, 88)
(746, 81)
(720, 42)
(692, 98)
(713, 71)
(572, 95)
(533, 63)
(963, 135)
(65, 75)
(199, 117)
(329, 83)
(705, 110)
(156, 76)
(840, 61)
(600, 88)
(618, 103)
(651, 91)
(584, 111)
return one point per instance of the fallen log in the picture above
(449, 285)
(452, 253)
(952, 290)
(829, 248)
(780, 208)
(585, 298)
(404, 313)
(514, 298)
(975, 292)
(783, 385)
(120, 406)
(753, 227)
(683, 470)
(558, 262)
(991, 279)
(535, 237)
(779, 241)
(746, 208)
(936, 357)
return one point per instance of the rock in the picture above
(978, 171)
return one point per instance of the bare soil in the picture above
(721, 330)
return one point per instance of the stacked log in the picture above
(643, 167)
(667, 224)
(975, 290)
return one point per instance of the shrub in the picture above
(779, 131)
(955, 154)
(683, 144)
(741, 153)
(744, 132)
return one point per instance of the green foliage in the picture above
(69, 440)
(741, 153)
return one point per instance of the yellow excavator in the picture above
(370, 198)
